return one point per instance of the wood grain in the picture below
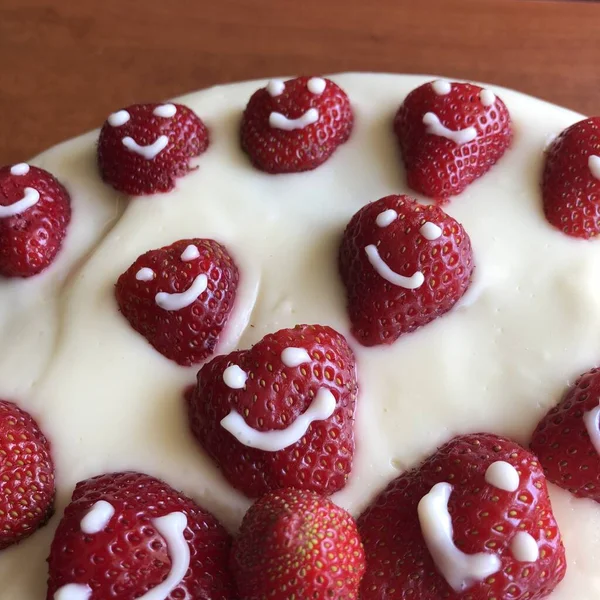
(67, 64)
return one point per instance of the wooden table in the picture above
(66, 64)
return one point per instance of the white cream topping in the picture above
(410, 283)
(487, 97)
(275, 87)
(19, 169)
(386, 217)
(190, 253)
(502, 475)
(118, 118)
(594, 165)
(98, 517)
(430, 231)
(591, 420)
(294, 357)
(279, 121)
(460, 570)
(166, 111)
(235, 377)
(145, 274)
(73, 591)
(524, 548)
(30, 198)
(316, 85)
(434, 127)
(321, 408)
(179, 300)
(150, 151)
(441, 87)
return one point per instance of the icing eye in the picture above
(118, 118)
(594, 165)
(235, 377)
(97, 518)
(145, 274)
(316, 85)
(293, 357)
(190, 253)
(524, 547)
(503, 476)
(441, 87)
(275, 87)
(487, 97)
(166, 111)
(20, 169)
(386, 217)
(430, 231)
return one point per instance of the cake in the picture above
(521, 328)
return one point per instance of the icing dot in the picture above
(165, 110)
(97, 518)
(441, 87)
(73, 591)
(292, 357)
(591, 420)
(430, 231)
(386, 217)
(275, 87)
(316, 85)
(145, 274)
(20, 169)
(235, 377)
(190, 253)
(594, 165)
(524, 548)
(119, 118)
(487, 97)
(503, 476)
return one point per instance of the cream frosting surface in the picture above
(496, 363)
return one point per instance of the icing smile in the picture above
(150, 151)
(177, 301)
(31, 198)
(410, 283)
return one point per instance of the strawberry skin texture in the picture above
(273, 398)
(30, 241)
(129, 556)
(484, 518)
(189, 335)
(297, 544)
(562, 443)
(279, 151)
(571, 193)
(438, 167)
(132, 174)
(26, 476)
(380, 312)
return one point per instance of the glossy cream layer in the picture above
(108, 401)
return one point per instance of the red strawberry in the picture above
(567, 439)
(35, 210)
(403, 265)
(571, 180)
(479, 494)
(297, 544)
(26, 476)
(143, 148)
(295, 125)
(291, 400)
(125, 534)
(179, 297)
(450, 134)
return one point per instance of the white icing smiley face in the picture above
(276, 87)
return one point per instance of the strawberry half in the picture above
(280, 414)
(26, 476)
(35, 210)
(143, 148)
(567, 439)
(450, 134)
(403, 265)
(125, 535)
(472, 522)
(571, 180)
(295, 125)
(297, 544)
(179, 297)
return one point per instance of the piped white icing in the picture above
(275, 87)
(321, 408)
(19, 169)
(441, 87)
(279, 121)
(166, 111)
(190, 253)
(386, 217)
(594, 165)
(293, 357)
(145, 274)
(460, 570)
(316, 85)
(177, 301)
(430, 231)
(98, 517)
(150, 151)
(31, 198)
(235, 377)
(118, 118)
(502, 475)
(410, 283)
(434, 127)
(524, 548)
(73, 591)
(487, 97)
(591, 420)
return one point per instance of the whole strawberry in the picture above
(450, 134)
(144, 148)
(571, 180)
(35, 210)
(403, 265)
(567, 439)
(296, 544)
(473, 522)
(129, 536)
(295, 125)
(280, 414)
(26, 476)
(179, 297)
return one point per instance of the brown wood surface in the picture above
(65, 65)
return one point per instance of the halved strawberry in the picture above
(403, 265)
(179, 297)
(472, 522)
(280, 414)
(450, 134)
(295, 125)
(144, 148)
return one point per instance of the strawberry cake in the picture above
(316, 337)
